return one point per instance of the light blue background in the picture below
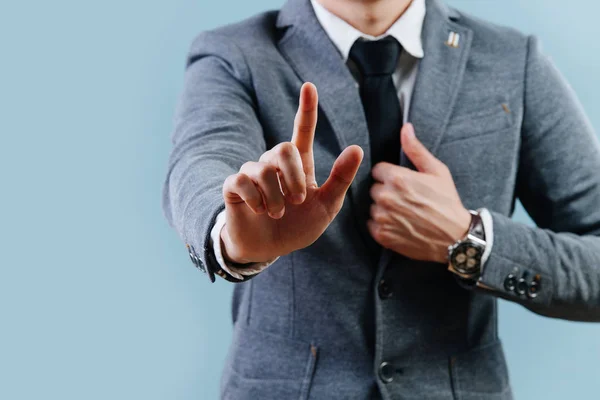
(98, 299)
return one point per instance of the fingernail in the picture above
(410, 132)
(278, 215)
(298, 198)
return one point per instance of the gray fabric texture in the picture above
(312, 326)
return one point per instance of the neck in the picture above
(373, 17)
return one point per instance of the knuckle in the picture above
(377, 214)
(374, 193)
(234, 182)
(380, 234)
(385, 199)
(226, 185)
(237, 179)
(246, 166)
(266, 171)
(269, 155)
(286, 150)
(399, 180)
(385, 238)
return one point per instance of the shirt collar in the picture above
(406, 30)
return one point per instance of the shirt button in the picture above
(386, 372)
(385, 290)
(510, 283)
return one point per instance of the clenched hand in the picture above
(416, 213)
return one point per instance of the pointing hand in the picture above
(273, 205)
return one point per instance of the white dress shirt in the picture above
(407, 30)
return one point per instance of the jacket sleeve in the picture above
(216, 130)
(558, 183)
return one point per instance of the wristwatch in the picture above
(464, 256)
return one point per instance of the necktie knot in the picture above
(376, 57)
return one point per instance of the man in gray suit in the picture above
(422, 125)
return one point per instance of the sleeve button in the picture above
(195, 258)
(510, 283)
(522, 286)
(534, 287)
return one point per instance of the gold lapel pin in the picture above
(453, 39)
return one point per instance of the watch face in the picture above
(466, 257)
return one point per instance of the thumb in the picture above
(344, 169)
(418, 154)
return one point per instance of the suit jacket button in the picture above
(384, 289)
(386, 372)
(195, 259)
(510, 283)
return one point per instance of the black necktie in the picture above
(376, 61)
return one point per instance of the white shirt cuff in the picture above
(488, 224)
(215, 242)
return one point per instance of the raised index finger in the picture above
(305, 124)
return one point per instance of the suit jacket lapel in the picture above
(438, 81)
(440, 75)
(315, 58)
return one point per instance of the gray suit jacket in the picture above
(314, 324)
